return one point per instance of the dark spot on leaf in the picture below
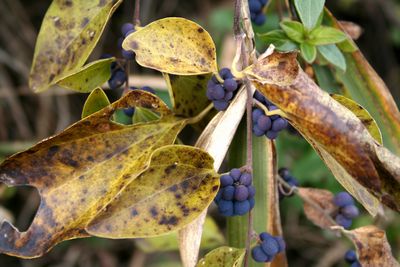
(200, 30)
(171, 220)
(90, 158)
(173, 188)
(153, 211)
(134, 212)
(178, 196)
(134, 45)
(52, 151)
(215, 188)
(102, 2)
(170, 168)
(84, 22)
(81, 177)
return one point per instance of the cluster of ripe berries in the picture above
(236, 194)
(130, 111)
(268, 248)
(270, 126)
(347, 210)
(288, 178)
(351, 257)
(256, 11)
(221, 93)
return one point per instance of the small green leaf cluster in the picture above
(309, 36)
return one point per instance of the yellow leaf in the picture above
(80, 170)
(223, 257)
(362, 114)
(173, 45)
(88, 77)
(95, 101)
(177, 186)
(69, 32)
(336, 133)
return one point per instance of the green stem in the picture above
(237, 227)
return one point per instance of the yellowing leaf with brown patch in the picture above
(334, 131)
(179, 183)
(372, 247)
(69, 32)
(173, 45)
(80, 170)
(324, 200)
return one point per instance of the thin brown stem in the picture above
(136, 14)
(309, 201)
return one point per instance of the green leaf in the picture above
(333, 55)
(324, 35)
(178, 185)
(175, 46)
(279, 39)
(188, 93)
(362, 114)
(211, 238)
(69, 32)
(144, 115)
(90, 76)
(294, 30)
(223, 257)
(96, 101)
(309, 11)
(308, 52)
(325, 79)
(80, 170)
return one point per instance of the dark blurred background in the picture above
(26, 117)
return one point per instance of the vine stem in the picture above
(238, 17)
(136, 14)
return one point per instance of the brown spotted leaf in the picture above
(335, 132)
(80, 170)
(372, 247)
(324, 200)
(188, 93)
(223, 257)
(69, 32)
(178, 185)
(173, 45)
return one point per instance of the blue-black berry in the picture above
(221, 93)
(268, 247)
(256, 11)
(347, 209)
(351, 257)
(236, 189)
(270, 126)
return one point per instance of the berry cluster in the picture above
(236, 195)
(270, 126)
(130, 111)
(351, 257)
(256, 11)
(347, 210)
(268, 247)
(221, 93)
(118, 75)
(126, 29)
(287, 176)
